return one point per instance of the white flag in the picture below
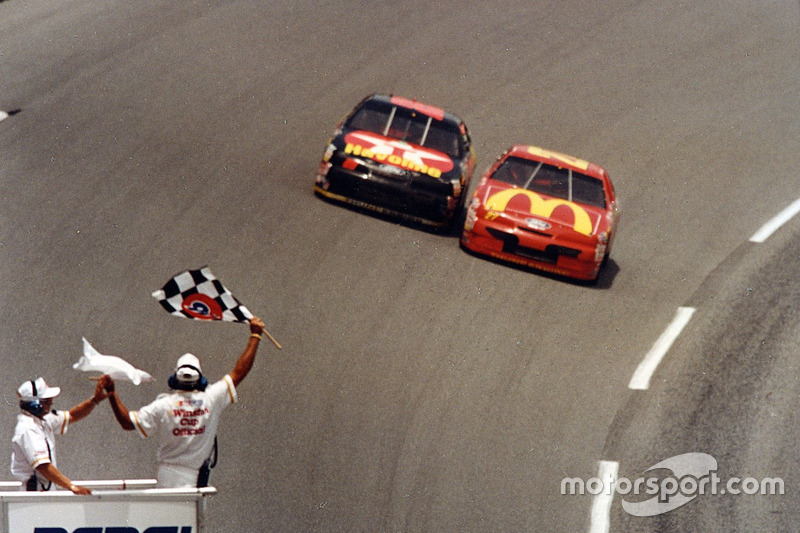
(116, 367)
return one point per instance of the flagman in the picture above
(33, 448)
(185, 420)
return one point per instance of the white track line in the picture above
(780, 219)
(601, 506)
(645, 370)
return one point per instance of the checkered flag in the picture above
(198, 294)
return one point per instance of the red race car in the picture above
(544, 210)
(399, 157)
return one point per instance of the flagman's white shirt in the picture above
(32, 437)
(185, 424)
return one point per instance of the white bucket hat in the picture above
(37, 390)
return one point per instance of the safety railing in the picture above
(115, 506)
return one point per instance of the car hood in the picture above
(543, 213)
(397, 153)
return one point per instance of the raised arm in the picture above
(83, 409)
(121, 412)
(245, 362)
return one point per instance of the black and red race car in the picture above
(399, 157)
(544, 210)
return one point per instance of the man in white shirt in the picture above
(33, 448)
(185, 420)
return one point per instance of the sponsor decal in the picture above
(397, 153)
(202, 307)
(425, 109)
(567, 159)
(537, 224)
(115, 529)
(541, 207)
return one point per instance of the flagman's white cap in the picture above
(42, 390)
(187, 368)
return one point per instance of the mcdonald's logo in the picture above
(541, 207)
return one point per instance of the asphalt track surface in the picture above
(419, 388)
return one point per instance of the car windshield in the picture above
(407, 125)
(552, 181)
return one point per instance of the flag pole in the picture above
(270, 337)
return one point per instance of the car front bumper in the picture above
(393, 195)
(534, 251)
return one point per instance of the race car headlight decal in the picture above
(324, 167)
(599, 252)
(457, 186)
(472, 211)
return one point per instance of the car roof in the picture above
(535, 153)
(436, 113)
